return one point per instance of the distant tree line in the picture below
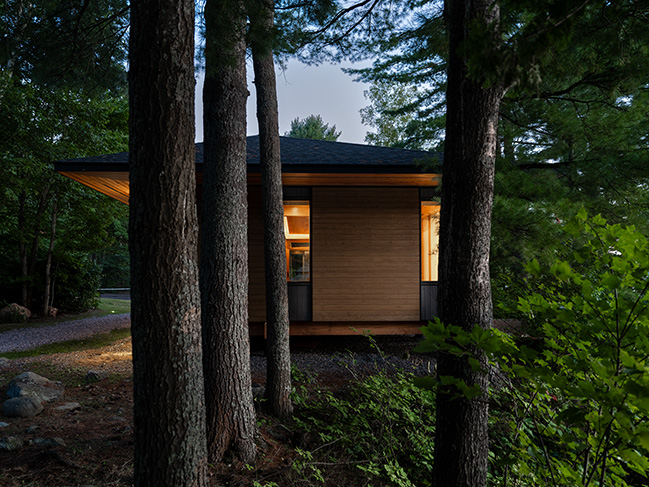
(62, 95)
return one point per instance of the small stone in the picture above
(21, 407)
(68, 406)
(117, 419)
(48, 442)
(10, 443)
(4, 362)
(32, 429)
(93, 376)
(36, 386)
(3, 425)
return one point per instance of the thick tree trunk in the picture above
(224, 236)
(461, 441)
(170, 447)
(278, 371)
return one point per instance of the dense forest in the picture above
(62, 95)
(541, 110)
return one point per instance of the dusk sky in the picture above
(304, 90)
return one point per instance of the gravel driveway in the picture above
(29, 338)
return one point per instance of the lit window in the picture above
(429, 240)
(297, 233)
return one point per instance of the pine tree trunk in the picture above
(461, 441)
(224, 237)
(278, 370)
(170, 447)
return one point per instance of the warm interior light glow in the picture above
(429, 240)
(297, 235)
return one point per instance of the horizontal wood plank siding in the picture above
(256, 284)
(365, 254)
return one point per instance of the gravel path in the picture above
(29, 338)
(343, 356)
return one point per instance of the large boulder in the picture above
(14, 313)
(21, 407)
(33, 385)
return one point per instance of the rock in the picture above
(10, 443)
(21, 407)
(94, 376)
(32, 429)
(4, 362)
(68, 406)
(3, 425)
(33, 385)
(48, 442)
(14, 313)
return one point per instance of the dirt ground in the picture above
(98, 436)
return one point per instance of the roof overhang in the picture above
(115, 184)
(357, 166)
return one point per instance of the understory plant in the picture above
(582, 415)
(383, 425)
(570, 403)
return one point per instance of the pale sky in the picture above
(305, 90)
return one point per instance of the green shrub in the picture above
(384, 425)
(584, 404)
(77, 283)
(573, 410)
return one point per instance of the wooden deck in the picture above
(322, 328)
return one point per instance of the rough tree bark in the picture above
(170, 446)
(278, 370)
(224, 236)
(461, 441)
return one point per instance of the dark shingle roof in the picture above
(298, 155)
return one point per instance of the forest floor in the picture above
(97, 437)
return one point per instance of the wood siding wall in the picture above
(365, 254)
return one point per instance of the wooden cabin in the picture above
(361, 228)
